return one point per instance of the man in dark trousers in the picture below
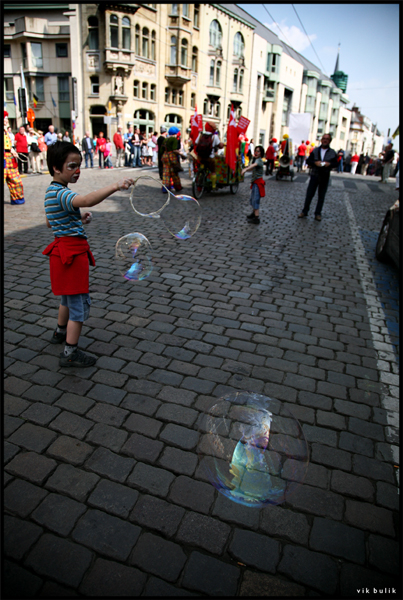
(161, 147)
(322, 160)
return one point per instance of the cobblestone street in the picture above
(104, 494)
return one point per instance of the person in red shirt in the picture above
(354, 162)
(21, 146)
(301, 155)
(118, 141)
(270, 157)
(100, 148)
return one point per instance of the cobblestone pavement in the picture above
(103, 492)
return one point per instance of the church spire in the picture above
(337, 59)
(339, 78)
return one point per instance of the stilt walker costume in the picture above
(11, 174)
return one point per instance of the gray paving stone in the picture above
(387, 495)
(372, 468)
(142, 387)
(141, 404)
(59, 559)
(200, 386)
(157, 514)
(331, 457)
(157, 588)
(384, 554)
(54, 590)
(143, 425)
(222, 580)
(369, 517)
(42, 393)
(111, 465)
(19, 536)
(255, 550)
(105, 534)
(105, 435)
(338, 539)
(13, 405)
(18, 582)
(40, 414)
(178, 461)
(192, 494)
(366, 429)
(177, 414)
(74, 403)
(310, 568)
(320, 434)
(179, 436)
(58, 513)
(259, 585)
(107, 578)
(74, 385)
(150, 479)
(356, 444)
(229, 511)
(107, 414)
(113, 498)
(32, 466)
(177, 396)
(10, 450)
(72, 481)
(142, 448)
(70, 450)
(289, 525)
(105, 393)
(204, 532)
(315, 400)
(351, 485)
(11, 424)
(331, 420)
(71, 424)
(155, 555)
(318, 502)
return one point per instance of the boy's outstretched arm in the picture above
(94, 198)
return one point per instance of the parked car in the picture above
(387, 246)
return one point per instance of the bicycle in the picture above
(201, 182)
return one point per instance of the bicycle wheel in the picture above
(234, 187)
(199, 184)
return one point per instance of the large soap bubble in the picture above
(133, 256)
(252, 449)
(181, 215)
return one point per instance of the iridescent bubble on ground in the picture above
(180, 214)
(252, 449)
(133, 257)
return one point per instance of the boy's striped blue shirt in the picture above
(64, 219)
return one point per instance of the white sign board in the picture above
(300, 126)
(107, 120)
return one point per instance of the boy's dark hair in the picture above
(262, 153)
(57, 154)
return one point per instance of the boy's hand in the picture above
(124, 184)
(86, 218)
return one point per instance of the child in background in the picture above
(70, 254)
(258, 184)
(107, 154)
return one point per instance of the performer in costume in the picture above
(11, 174)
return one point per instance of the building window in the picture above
(323, 111)
(9, 89)
(268, 62)
(321, 126)
(215, 34)
(126, 41)
(36, 51)
(174, 9)
(235, 81)
(93, 41)
(61, 50)
(241, 81)
(212, 72)
(184, 53)
(137, 40)
(194, 59)
(310, 104)
(205, 107)
(24, 55)
(217, 109)
(167, 91)
(218, 73)
(196, 15)
(286, 107)
(145, 43)
(114, 31)
(239, 45)
(136, 88)
(173, 50)
(40, 88)
(341, 135)
(144, 90)
(94, 85)
(274, 63)
(153, 42)
(185, 10)
(180, 97)
(193, 100)
(63, 85)
(153, 91)
(173, 98)
(7, 51)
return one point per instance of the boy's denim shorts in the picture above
(78, 305)
(255, 197)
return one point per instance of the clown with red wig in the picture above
(11, 174)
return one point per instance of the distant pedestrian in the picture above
(387, 161)
(353, 163)
(108, 154)
(301, 155)
(257, 185)
(88, 149)
(66, 137)
(100, 148)
(270, 158)
(118, 141)
(11, 174)
(322, 160)
(161, 148)
(21, 145)
(50, 136)
(340, 158)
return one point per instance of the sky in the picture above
(368, 35)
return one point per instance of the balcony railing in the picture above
(176, 74)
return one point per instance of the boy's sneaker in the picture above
(251, 216)
(58, 337)
(77, 359)
(254, 221)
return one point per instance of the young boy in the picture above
(258, 184)
(69, 254)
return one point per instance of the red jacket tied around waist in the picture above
(261, 185)
(69, 258)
